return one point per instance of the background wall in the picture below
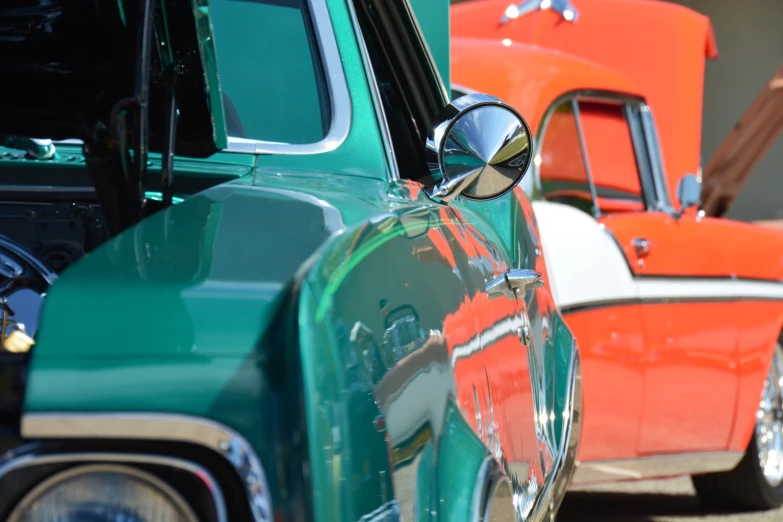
(750, 41)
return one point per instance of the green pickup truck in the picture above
(254, 266)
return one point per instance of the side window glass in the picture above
(610, 151)
(271, 75)
(561, 167)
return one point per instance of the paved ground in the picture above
(670, 500)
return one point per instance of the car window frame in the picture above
(336, 85)
(393, 172)
(572, 99)
(649, 161)
(659, 179)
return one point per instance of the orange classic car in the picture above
(678, 315)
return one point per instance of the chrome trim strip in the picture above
(375, 94)
(657, 466)
(24, 461)
(655, 154)
(585, 157)
(643, 161)
(339, 98)
(162, 427)
(613, 303)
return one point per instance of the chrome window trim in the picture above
(656, 158)
(587, 95)
(28, 460)
(339, 98)
(585, 156)
(643, 160)
(162, 427)
(375, 94)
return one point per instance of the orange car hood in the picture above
(660, 46)
(529, 77)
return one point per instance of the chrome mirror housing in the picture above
(479, 147)
(688, 193)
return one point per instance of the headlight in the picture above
(103, 493)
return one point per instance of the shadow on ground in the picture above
(585, 506)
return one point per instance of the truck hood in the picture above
(192, 312)
(197, 281)
(68, 65)
(658, 45)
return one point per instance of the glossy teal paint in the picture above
(461, 457)
(433, 17)
(359, 365)
(186, 326)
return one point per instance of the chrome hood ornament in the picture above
(563, 7)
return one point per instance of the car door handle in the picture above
(641, 245)
(517, 279)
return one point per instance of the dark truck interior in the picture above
(125, 81)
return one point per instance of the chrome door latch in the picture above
(512, 281)
(641, 245)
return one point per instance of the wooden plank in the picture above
(743, 148)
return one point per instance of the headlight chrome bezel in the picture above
(146, 479)
(163, 428)
(210, 504)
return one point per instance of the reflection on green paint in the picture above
(348, 264)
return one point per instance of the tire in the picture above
(747, 487)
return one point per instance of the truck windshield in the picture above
(270, 70)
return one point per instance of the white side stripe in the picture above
(676, 288)
(586, 267)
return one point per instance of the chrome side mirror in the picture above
(688, 193)
(479, 147)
